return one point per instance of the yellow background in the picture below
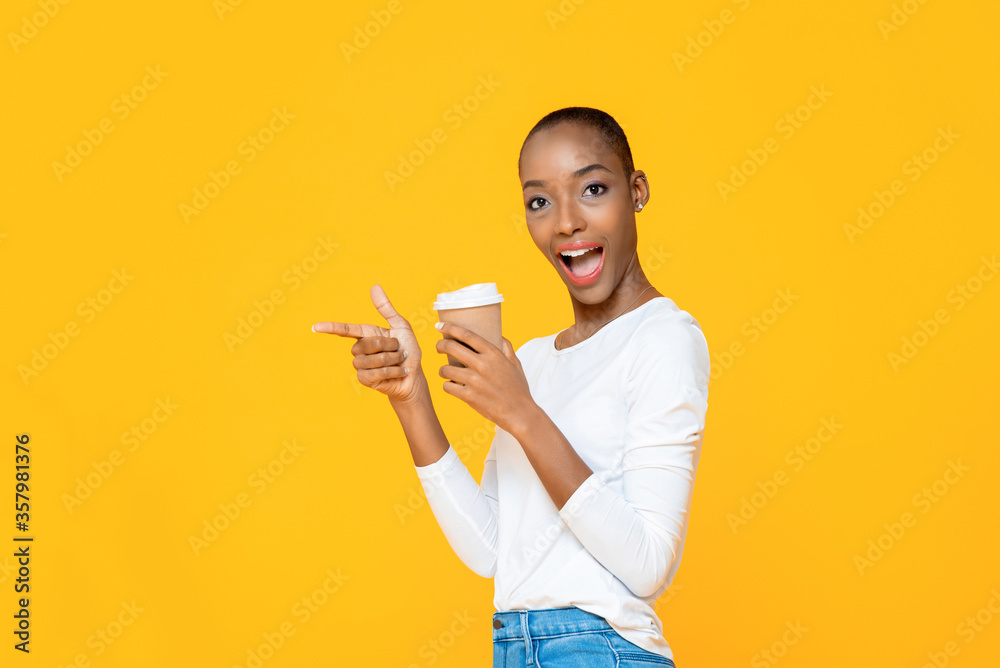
(458, 219)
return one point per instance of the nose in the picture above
(570, 220)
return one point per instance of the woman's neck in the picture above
(631, 292)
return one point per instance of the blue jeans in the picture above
(564, 638)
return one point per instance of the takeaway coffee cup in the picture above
(475, 307)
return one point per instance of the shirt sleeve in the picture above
(638, 533)
(466, 512)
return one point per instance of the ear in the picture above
(641, 186)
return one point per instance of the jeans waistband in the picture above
(544, 622)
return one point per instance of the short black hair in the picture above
(607, 128)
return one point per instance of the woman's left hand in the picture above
(492, 382)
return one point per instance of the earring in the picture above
(640, 206)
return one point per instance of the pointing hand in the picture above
(387, 360)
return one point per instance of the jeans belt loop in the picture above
(528, 657)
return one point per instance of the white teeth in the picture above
(576, 253)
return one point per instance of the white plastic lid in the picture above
(480, 294)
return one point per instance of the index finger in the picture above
(345, 329)
(463, 335)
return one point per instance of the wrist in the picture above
(525, 421)
(420, 396)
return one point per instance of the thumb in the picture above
(386, 310)
(508, 351)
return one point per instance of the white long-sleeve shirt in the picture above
(631, 400)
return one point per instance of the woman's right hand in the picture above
(387, 360)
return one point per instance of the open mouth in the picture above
(583, 266)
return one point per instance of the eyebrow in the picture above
(577, 174)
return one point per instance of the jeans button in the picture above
(497, 624)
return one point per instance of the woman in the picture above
(582, 512)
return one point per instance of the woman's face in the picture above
(576, 197)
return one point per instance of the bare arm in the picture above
(388, 360)
(420, 423)
(465, 511)
(557, 464)
(636, 532)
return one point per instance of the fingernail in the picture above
(439, 325)
(313, 328)
(405, 353)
